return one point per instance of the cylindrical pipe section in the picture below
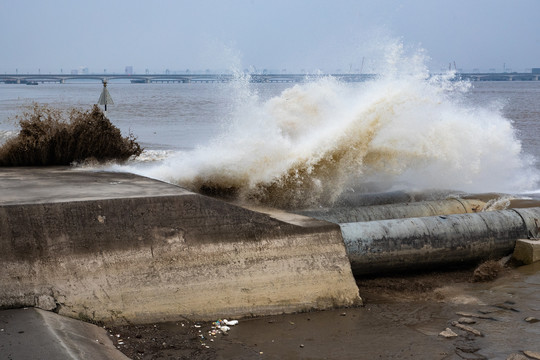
(353, 199)
(397, 211)
(404, 244)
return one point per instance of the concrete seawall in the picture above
(119, 248)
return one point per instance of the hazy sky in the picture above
(264, 34)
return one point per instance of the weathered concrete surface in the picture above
(396, 211)
(405, 244)
(527, 251)
(20, 186)
(116, 247)
(36, 334)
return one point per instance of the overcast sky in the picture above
(291, 35)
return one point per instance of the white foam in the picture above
(305, 145)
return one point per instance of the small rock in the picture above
(486, 311)
(532, 354)
(448, 333)
(466, 328)
(343, 314)
(517, 357)
(466, 320)
(468, 347)
(469, 356)
(301, 345)
(506, 307)
(478, 316)
(531, 320)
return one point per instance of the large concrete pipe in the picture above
(397, 211)
(395, 245)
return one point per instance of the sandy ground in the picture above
(402, 318)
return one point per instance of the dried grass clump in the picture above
(47, 137)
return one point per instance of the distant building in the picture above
(535, 70)
(81, 70)
(129, 70)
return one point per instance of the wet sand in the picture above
(401, 319)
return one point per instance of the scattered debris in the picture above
(221, 327)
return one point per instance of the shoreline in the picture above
(402, 317)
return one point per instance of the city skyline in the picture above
(146, 71)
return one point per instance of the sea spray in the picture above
(304, 147)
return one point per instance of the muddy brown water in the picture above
(401, 319)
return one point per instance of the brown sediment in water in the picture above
(49, 137)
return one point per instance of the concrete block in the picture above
(124, 256)
(527, 251)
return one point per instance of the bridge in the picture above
(220, 78)
(172, 78)
(498, 76)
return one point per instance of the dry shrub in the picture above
(47, 137)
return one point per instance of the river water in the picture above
(311, 141)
